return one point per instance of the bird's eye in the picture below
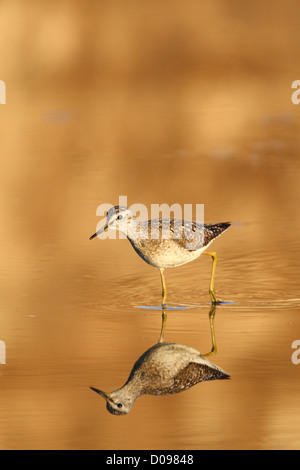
(120, 217)
(119, 405)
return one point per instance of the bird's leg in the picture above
(163, 325)
(212, 332)
(164, 288)
(212, 292)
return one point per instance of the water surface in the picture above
(177, 107)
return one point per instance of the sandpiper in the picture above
(181, 243)
(164, 369)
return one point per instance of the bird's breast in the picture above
(164, 253)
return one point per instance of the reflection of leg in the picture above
(163, 325)
(212, 292)
(212, 331)
(164, 288)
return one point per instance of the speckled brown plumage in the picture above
(165, 368)
(165, 243)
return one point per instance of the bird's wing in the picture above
(195, 372)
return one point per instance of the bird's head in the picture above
(117, 218)
(116, 402)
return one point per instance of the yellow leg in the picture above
(212, 292)
(164, 288)
(212, 332)
(163, 325)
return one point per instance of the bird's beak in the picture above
(102, 229)
(103, 394)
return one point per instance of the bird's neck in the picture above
(132, 229)
(130, 389)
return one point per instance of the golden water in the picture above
(174, 102)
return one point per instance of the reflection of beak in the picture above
(103, 394)
(103, 229)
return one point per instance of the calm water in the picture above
(116, 109)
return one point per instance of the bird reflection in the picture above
(164, 369)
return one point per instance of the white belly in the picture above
(166, 255)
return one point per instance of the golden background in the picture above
(162, 101)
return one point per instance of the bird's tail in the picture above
(215, 230)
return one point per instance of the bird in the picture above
(166, 368)
(166, 243)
